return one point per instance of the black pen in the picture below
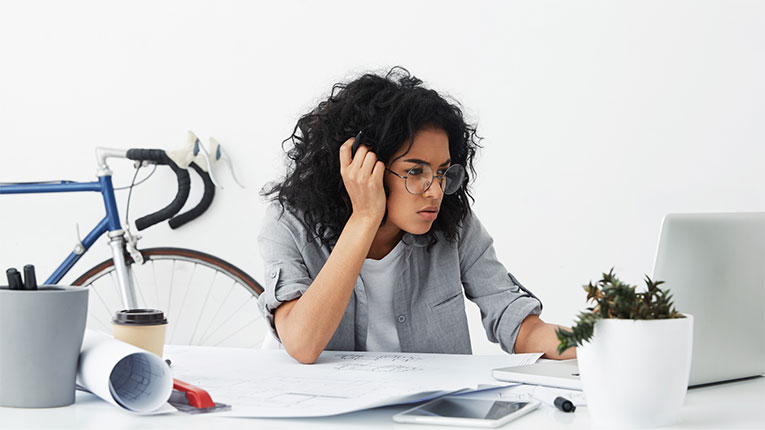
(30, 280)
(564, 404)
(551, 398)
(356, 143)
(14, 279)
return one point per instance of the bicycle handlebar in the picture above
(184, 185)
(203, 204)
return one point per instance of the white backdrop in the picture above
(598, 117)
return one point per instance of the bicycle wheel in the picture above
(206, 300)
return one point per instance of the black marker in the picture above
(14, 279)
(561, 403)
(564, 404)
(30, 280)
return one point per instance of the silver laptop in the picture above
(714, 267)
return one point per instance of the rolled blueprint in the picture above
(123, 374)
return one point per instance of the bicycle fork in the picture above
(124, 274)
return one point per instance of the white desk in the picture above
(738, 404)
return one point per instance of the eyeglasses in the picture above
(419, 178)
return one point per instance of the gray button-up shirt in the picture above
(429, 304)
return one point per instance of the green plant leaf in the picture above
(615, 299)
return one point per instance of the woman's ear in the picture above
(387, 193)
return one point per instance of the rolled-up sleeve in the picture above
(503, 301)
(286, 274)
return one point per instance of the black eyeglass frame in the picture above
(441, 178)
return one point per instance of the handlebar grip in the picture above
(203, 204)
(156, 155)
(184, 185)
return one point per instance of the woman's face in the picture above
(415, 214)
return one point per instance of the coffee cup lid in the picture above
(139, 317)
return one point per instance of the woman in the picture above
(374, 250)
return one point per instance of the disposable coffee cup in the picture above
(41, 334)
(144, 328)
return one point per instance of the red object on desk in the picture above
(197, 397)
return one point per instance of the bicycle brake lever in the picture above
(199, 149)
(184, 156)
(221, 155)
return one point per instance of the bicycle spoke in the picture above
(183, 303)
(98, 320)
(217, 305)
(170, 291)
(217, 311)
(92, 316)
(204, 306)
(203, 341)
(103, 302)
(116, 284)
(137, 286)
(236, 331)
(156, 284)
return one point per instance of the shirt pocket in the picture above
(446, 301)
(446, 326)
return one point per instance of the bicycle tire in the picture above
(233, 328)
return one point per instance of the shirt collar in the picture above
(415, 240)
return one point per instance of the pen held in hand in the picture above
(356, 143)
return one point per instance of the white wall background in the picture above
(598, 116)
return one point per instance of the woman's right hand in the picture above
(363, 179)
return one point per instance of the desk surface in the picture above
(738, 404)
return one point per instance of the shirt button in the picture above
(401, 318)
(273, 274)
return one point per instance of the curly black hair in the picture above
(390, 109)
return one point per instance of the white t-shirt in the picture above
(379, 278)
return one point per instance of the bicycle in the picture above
(153, 277)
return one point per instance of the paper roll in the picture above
(123, 374)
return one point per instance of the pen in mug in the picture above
(14, 279)
(30, 280)
(554, 399)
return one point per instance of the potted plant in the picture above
(634, 354)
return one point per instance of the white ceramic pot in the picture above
(635, 372)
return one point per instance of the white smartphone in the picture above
(457, 411)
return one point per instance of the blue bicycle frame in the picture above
(110, 223)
